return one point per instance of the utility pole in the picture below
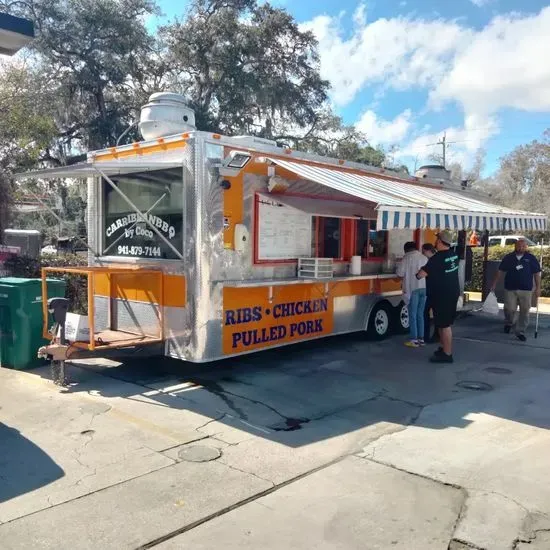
(443, 142)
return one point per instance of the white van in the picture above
(511, 240)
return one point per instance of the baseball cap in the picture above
(445, 237)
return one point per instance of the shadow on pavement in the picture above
(24, 467)
(315, 391)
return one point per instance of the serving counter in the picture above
(300, 280)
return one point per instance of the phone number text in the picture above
(149, 251)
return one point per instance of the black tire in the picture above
(401, 319)
(380, 322)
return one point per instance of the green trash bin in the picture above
(21, 320)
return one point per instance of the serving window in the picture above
(288, 227)
(158, 195)
(370, 243)
(329, 237)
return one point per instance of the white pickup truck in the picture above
(511, 240)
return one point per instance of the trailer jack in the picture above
(56, 351)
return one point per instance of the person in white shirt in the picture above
(414, 292)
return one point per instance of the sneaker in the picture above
(507, 329)
(411, 343)
(522, 337)
(421, 343)
(439, 351)
(441, 358)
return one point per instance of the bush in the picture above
(496, 253)
(76, 292)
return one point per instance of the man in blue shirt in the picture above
(521, 272)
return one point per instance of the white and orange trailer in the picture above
(195, 239)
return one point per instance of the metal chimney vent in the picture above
(166, 114)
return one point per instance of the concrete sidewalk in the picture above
(339, 444)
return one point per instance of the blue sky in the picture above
(406, 71)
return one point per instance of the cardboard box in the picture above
(77, 328)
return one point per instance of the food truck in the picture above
(216, 246)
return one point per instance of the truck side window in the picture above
(510, 242)
(158, 195)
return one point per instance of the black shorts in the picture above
(444, 310)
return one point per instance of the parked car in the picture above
(49, 249)
(511, 240)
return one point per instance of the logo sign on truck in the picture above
(252, 320)
(131, 219)
(130, 235)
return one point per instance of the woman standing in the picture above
(414, 292)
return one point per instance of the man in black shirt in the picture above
(442, 272)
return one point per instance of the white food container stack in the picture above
(315, 268)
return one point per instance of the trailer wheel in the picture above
(380, 323)
(402, 321)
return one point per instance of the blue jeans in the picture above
(416, 306)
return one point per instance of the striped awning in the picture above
(402, 205)
(110, 168)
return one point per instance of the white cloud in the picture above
(505, 65)
(384, 132)
(360, 15)
(400, 52)
(480, 71)
(480, 3)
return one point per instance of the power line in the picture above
(545, 123)
(496, 138)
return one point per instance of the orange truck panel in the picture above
(145, 287)
(252, 321)
(351, 288)
(175, 291)
(387, 285)
(160, 146)
(102, 284)
(429, 236)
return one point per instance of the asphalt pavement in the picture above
(337, 444)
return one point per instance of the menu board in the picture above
(283, 233)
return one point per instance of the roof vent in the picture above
(433, 172)
(253, 140)
(166, 114)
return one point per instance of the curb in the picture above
(476, 297)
